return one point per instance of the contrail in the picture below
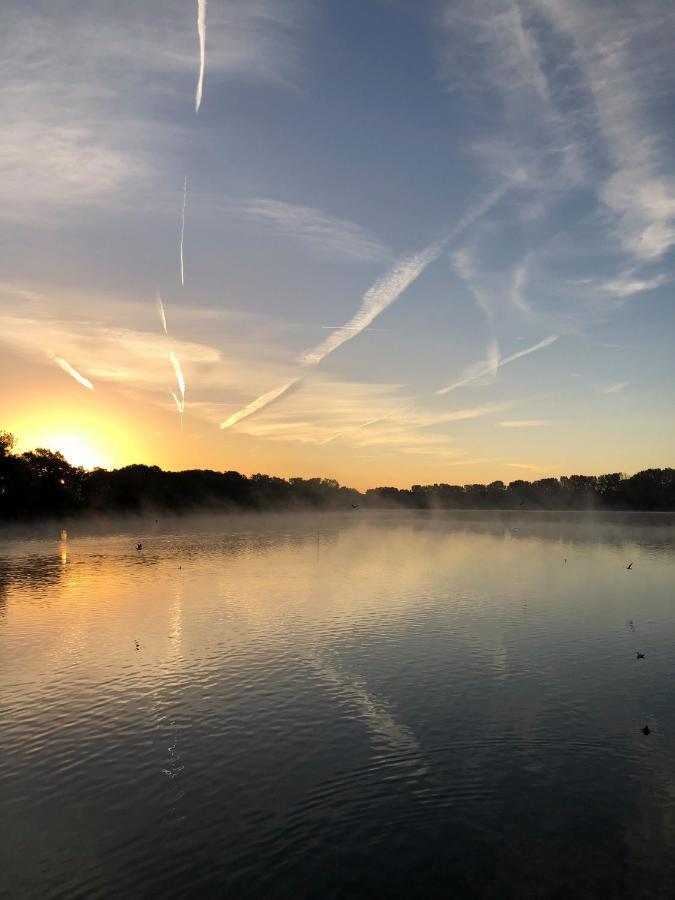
(391, 415)
(489, 368)
(257, 404)
(160, 310)
(201, 30)
(385, 291)
(181, 386)
(389, 287)
(73, 373)
(377, 298)
(182, 233)
(551, 339)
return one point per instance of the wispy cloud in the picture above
(400, 423)
(385, 291)
(330, 236)
(464, 266)
(182, 233)
(79, 86)
(533, 466)
(518, 288)
(393, 283)
(614, 388)
(628, 284)
(610, 46)
(525, 423)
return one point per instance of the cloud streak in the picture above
(328, 235)
(182, 233)
(73, 373)
(627, 285)
(525, 423)
(201, 32)
(385, 291)
(259, 403)
(160, 310)
(615, 388)
(180, 403)
(393, 283)
(475, 373)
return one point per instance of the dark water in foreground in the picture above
(352, 706)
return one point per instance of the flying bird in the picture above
(139, 546)
(355, 506)
(629, 566)
(639, 655)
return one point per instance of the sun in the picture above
(78, 450)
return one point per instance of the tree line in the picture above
(41, 483)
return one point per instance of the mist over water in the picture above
(369, 704)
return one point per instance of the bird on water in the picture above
(646, 729)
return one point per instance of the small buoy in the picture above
(645, 730)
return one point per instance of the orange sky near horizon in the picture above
(459, 270)
(107, 427)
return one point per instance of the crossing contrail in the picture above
(180, 404)
(489, 367)
(201, 31)
(380, 295)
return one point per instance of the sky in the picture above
(396, 243)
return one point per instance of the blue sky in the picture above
(385, 200)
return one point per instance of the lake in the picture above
(339, 706)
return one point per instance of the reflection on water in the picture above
(339, 706)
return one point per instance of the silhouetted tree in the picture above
(43, 483)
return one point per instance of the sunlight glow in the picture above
(78, 450)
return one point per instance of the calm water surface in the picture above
(368, 705)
